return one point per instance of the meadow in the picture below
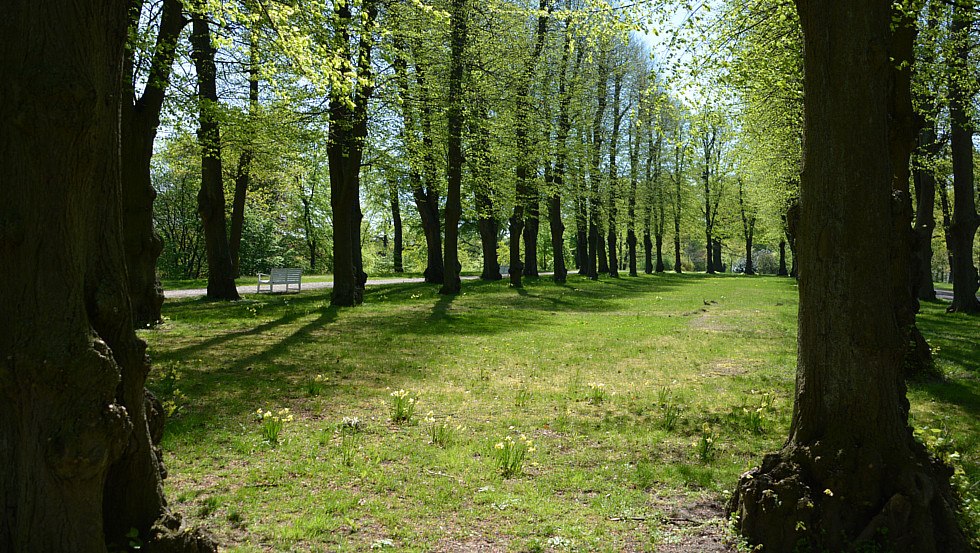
(594, 416)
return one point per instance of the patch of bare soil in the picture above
(725, 367)
(698, 527)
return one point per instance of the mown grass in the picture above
(678, 359)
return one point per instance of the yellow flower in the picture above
(499, 445)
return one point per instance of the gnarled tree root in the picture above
(817, 498)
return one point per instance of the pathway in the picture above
(250, 288)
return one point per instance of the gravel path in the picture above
(250, 288)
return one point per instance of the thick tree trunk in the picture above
(851, 474)
(80, 467)
(749, 265)
(965, 221)
(525, 192)
(347, 135)
(595, 263)
(244, 174)
(486, 224)
(454, 169)
(211, 198)
(925, 219)
(421, 160)
(140, 119)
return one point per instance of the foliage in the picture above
(271, 425)
(509, 454)
(402, 406)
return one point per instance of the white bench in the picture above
(282, 275)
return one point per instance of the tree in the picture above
(211, 198)
(345, 150)
(78, 432)
(851, 474)
(748, 226)
(965, 221)
(140, 119)
(454, 172)
(526, 192)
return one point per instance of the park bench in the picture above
(281, 275)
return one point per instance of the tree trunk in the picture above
(525, 193)
(947, 217)
(425, 195)
(851, 474)
(244, 174)
(80, 467)
(454, 169)
(487, 225)
(582, 227)
(925, 219)
(782, 259)
(718, 263)
(631, 200)
(595, 262)
(309, 224)
(140, 119)
(748, 228)
(531, 225)
(347, 136)
(611, 210)
(396, 221)
(676, 199)
(211, 198)
(965, 221)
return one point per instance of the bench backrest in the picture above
(286, 274)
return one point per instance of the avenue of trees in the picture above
(201, 138)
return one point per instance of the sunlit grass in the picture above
(605, 475)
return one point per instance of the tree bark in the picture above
(595, 178)
(140, 119)
(425, 195)
(782, 259)
(965, 221)
(611, 209)
(211, 198)
(243, 175)
(532, 224)
(678, 176)
(851, 475)
(80, 467)
(345, 149)
(396, 221)
(454, 169)
(525, 192)
(716, 256)
(748, 228)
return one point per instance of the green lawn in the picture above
(644, 398)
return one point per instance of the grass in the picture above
(680, 358)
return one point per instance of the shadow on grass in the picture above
(265, 346)
(955, 336)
